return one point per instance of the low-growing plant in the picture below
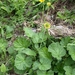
(38, 54)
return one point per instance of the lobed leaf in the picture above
(56, 50)
(45, 64)
(21, 43)
(69, 70)
(29, 32)
(39, 37)
(22, 62)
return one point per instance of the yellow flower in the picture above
(47, 25)
(48, 4)
(41, 1)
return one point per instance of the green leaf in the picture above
(69, 70)
(3, 44)
(11, 50)
(39, 37)
(73, 72)
(60, 74)
(1, 2)
(29, 32)
(2, 32)
(9, 29)
(45, 64)
(44, 52)
(5, 8)
(40, 72)
(29, 52)
(64, 41)
(3, 68)
(59, 15)
(31, 72)
(21, 72)
(20, 62)
(28, 61)
(21, 43)
(50, 72)
(35, 38)
(35, 65)
(56, 50)
(9, 35)
(71, 49)
(68, 61)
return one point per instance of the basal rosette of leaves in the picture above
(41, 54)
(38, 53)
